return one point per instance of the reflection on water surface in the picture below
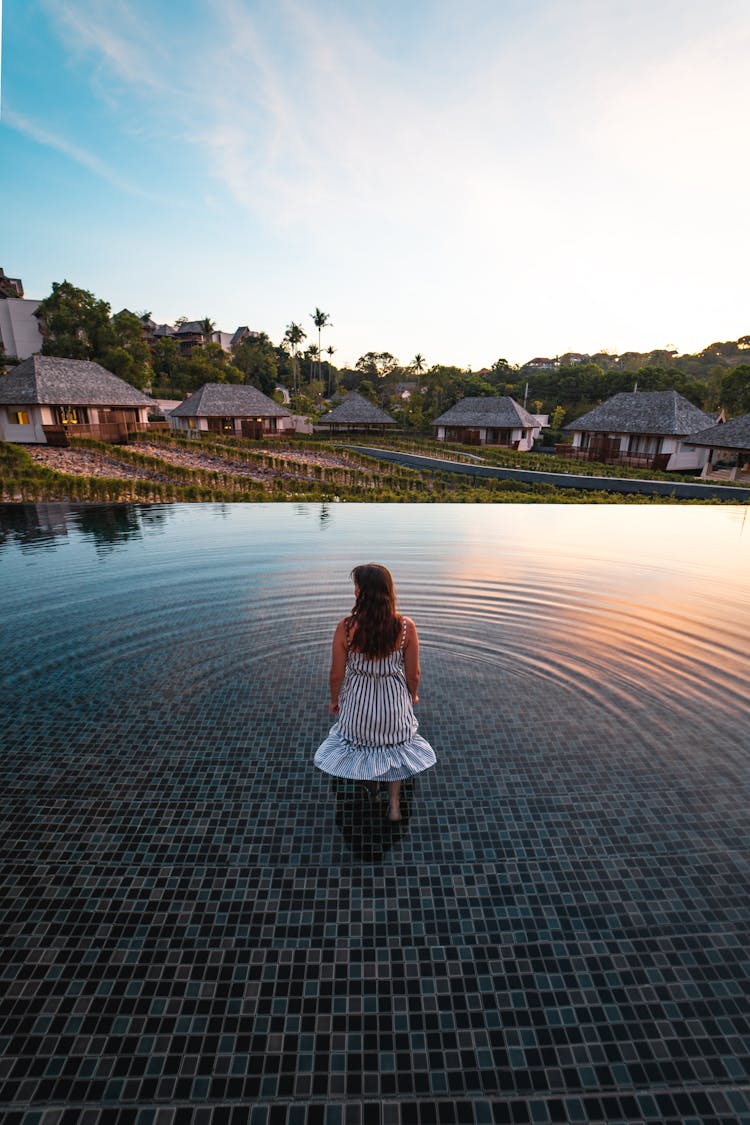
(641, 611)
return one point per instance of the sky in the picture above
(499, 178)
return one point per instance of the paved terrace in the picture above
(683, 490)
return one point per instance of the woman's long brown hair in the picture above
(373, 619)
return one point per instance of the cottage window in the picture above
(71, 415)
(647, 444)
(19, 417)
(191, 423)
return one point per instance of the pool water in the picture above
(200, 922)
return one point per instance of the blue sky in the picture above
(497, 178)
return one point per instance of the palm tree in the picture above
(418, 366)
(321, 320)
(330, 350)
(206, 326)
(294, 336)
(314, 354)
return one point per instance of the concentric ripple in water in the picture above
(640, 611)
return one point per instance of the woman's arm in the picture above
(411, 660)
(338, 664)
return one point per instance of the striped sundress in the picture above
(375, 737)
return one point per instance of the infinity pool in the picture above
(199, 923)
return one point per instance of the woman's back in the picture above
(375, 706)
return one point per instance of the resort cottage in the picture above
(46, 398)
(231, 409)
(488, 421)
(641, 428)
(728, 442)
(356, 413)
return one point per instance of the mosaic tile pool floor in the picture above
(200, 928)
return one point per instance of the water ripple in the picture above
(663, 636)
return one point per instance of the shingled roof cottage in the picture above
(46, 398)
(640, 428)
(229, 408)
(488, 421)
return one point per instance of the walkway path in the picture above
(681, 489)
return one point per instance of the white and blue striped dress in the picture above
(375, 737)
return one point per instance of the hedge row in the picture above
(23, 479)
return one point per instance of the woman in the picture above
(374, 684)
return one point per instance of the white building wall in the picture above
(685, 458)
(19, 328)
(33, 434)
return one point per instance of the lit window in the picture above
(71, 415)
(19, 417)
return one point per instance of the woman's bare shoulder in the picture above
(344, 630)
(411, 628)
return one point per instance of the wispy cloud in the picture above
(537, 141)
(300, 115)
(121, 39)
(326, 126)
(36, 132)
(307, 118)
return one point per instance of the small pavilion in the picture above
(356, 413)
